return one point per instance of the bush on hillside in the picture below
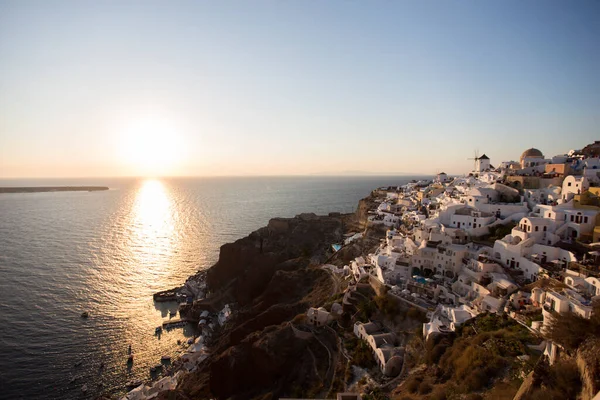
(436, 346)
(387, 305)
(362, 355)
(570, 330)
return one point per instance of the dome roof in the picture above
(532, 153)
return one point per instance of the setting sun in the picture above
(151, 146)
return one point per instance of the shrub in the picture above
(560, 380)
(414, 313)
(412, 383)
(362, 355)
(439, 393)
(348, 373)
(387, 305)
(425, 387)
(570, 330)
(365, 310)
(299, 319)
(435, 347)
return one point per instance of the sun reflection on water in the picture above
(153, 224)
(152, 244)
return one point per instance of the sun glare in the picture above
(151, 146)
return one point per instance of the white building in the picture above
(389, 357)
(469, 218)
(573, 185)
(482, 163)
(318, 316)
(442, 177)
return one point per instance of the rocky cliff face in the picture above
(246, 266)
(272, 277)
(588, 363)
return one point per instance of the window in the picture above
(585, 219)
(572, 218)
(569, 184)
(549, 215)
(544, 229)
(537, 228)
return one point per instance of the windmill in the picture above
(475, 160)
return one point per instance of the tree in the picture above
(569, 330)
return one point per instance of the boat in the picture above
(130, 359)
(85, 314)
(165, 358)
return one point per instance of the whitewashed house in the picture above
(573, 185)
(318, 316)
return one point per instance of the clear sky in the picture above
(110, 88)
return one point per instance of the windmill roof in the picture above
(484, 157)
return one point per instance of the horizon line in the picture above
(335, 175)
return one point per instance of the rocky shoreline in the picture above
(244, 305)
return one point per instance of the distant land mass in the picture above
(37, 189)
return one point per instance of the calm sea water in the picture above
(108, 252)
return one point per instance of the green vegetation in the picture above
(481, 354)
(499, 231)
(559, 381)
(387, 305)
(360, 352)
(365, 308)
(416, 314)
(570, 330)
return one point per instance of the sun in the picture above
(150, 146)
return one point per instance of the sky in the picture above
(202, 88)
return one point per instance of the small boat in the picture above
(165, 358)
(130, 359)
(85, 314)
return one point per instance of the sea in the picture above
(107, 252)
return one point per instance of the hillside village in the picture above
(482, 286)
(520, 240)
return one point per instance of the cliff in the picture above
(272, 276)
